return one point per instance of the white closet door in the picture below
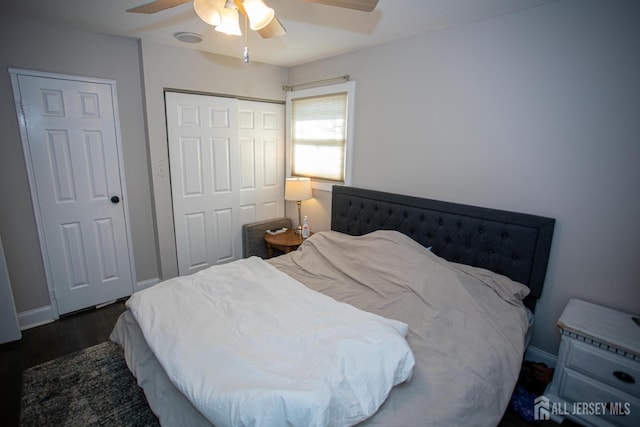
(227, 168)
(71, 140)
(261, 141)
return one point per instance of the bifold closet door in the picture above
(227, 168)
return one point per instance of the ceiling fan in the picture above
(223, 14)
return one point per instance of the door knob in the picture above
(115, 199)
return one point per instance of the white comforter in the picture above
(249, 345)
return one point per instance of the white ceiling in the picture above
(313, 31)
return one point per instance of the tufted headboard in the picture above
(509, 243)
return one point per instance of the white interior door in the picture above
(227, 169)
(71, 138)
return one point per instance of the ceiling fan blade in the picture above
(157, 6)
(274, 29)
(363, 5)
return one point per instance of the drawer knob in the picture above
(624, 377)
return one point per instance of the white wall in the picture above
(168, 67)
(42, 47)
(9, 327)
(536, 111)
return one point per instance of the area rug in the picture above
(90, 387)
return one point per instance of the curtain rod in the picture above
(292, 87)
(222, 95)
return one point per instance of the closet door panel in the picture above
(227, 169)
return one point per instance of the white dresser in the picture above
(597, 376)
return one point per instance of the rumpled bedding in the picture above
(466, 325)
(249, 345)
(466, 328)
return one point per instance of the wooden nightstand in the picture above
(597, 376)
(286, 242)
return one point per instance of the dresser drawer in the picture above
(605, 366)
(587, 398)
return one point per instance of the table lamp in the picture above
(298, 189)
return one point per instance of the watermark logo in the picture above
(541, 408)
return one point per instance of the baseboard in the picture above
(534, 354)
(43, 315)
(35, 317)
(147, 284)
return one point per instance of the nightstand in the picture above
(285, 242)
(597, 376)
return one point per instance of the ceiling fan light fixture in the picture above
(229, 21)
(260, 15)
(207, 11)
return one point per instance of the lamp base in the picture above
(299, 230)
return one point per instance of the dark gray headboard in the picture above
(509, 243)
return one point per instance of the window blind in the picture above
(319, 131)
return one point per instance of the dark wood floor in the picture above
(67, 335)
(76, 332)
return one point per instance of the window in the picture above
(320, 134)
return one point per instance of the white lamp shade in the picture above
(260, 15)
(229, 22)
(207, 11)
(297, 189)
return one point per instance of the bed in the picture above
(448, 288)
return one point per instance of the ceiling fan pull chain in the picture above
(245, 56)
